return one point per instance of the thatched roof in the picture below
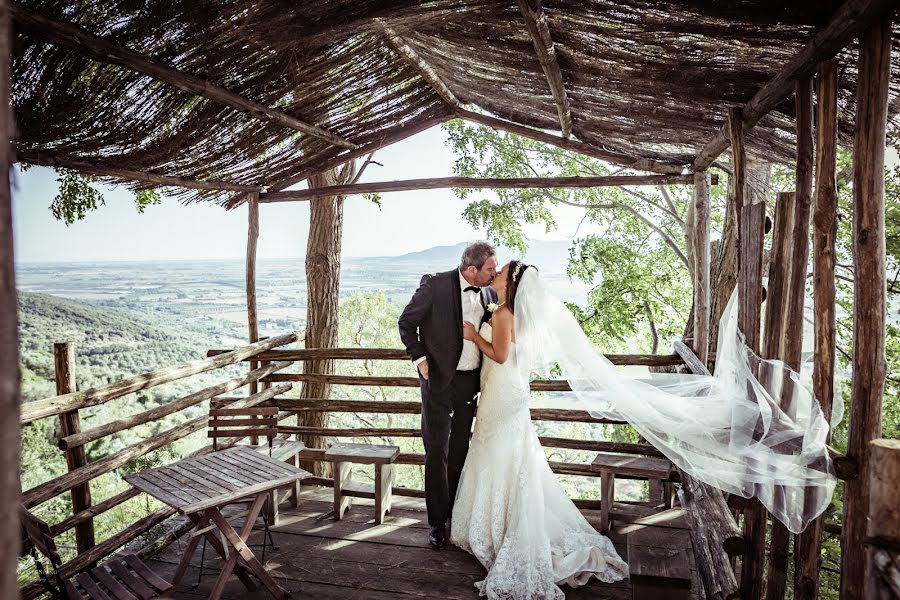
(640, 77)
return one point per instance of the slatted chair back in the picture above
(255, 421)
(36, 535)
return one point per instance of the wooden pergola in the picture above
(238, 104)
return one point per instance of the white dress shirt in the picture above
(472, 311)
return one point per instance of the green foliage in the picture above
(77, 197)
(638, 260)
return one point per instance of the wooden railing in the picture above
(81, 472)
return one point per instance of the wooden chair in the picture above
(238, 423)
(123, 577)
(659, 563)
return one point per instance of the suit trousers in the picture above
(446, 427)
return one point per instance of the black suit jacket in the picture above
(431, 325)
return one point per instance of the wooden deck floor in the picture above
(356, 559)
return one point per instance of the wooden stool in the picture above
(342, 455)
(659, 564)
(610, 464)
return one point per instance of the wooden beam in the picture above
(791, 345)
(475, 182)
(658, 164)
(10, 398)
(853, 17)
(539, 30)
(76, 39)
(414, 60)
(751, 215)
(869, 293)
(50, 407)
(296, 354)
(45, 159)
(252, 237)
(807, 548)
(700, 253)
(392, 136)
(70, 424)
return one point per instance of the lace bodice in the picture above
(510, 510)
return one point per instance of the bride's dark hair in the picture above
(513, 277)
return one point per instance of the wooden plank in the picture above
(849, 20)
(94, 396)
(58, 161)
(497, 183)
(869, 319)
(264, 422)
(691, 360)
(89, 586)
(69, 424)
(639, 466)
(300, 354)
(242, 433)
(363, 453)
(146, 573)
(130, 579)
(254, 410)
(156, 413)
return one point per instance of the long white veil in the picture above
(747, 437)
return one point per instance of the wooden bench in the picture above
(659, 563)
(382, 456)
(123, 576)
(610, 464)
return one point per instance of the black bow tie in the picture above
(473, 288)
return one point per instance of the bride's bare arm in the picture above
(502, 326)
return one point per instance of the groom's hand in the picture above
(423, 369)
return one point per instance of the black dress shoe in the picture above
(438, 537)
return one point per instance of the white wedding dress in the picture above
(510, 510)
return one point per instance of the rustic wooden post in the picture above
(10, 400)
(792, 339)
(70, 423)
(252, 237)
(807, 547)
(779, 267)
(323, 270)
(883, 532)
(869, 368)
(700, 254)
(252, 318)
(751, 220)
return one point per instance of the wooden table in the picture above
(198, 486)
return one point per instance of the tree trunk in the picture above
(9, 341)
(323, 272)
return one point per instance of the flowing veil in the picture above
(752, 435)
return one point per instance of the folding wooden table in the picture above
(199, 486)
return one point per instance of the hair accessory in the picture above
(518, 270)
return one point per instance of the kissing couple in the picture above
(503, 502)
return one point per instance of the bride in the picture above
(510, 511)
(751, 429)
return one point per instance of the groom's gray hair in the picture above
(476, 254)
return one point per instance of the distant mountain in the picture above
(550, 256)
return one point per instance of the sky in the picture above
(406, 222)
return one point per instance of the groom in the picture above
(449, 367)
